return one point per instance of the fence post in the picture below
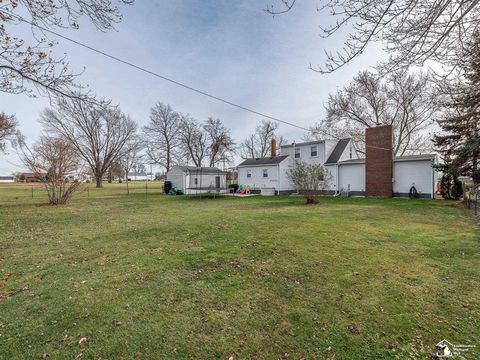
(476, 203)
(32, 191)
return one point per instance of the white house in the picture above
(197, 180)
(140, 176)
(7, 179)
(271, 172)
(347, 172)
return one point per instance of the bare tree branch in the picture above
(404, 100)
(411, 31)
(28, 64)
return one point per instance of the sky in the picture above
(234, 50)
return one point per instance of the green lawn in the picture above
(164, 277)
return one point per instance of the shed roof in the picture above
(201, 170)
(337, 151)
(264, 161)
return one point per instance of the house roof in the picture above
(264, 161)
(352, 161)
(396, 159)
(34, 175)
(303, 144)
(202, 170)
(415, 157)
(337, 151)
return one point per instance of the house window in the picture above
(265, 172)
(195, 181)
(313, 151)
(249, 173)
(297, 153)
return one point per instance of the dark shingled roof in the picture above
(203, 170)
(302, 144)
(264, 161)
(337, 151)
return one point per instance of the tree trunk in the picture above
(98, 180)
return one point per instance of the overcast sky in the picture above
(234, 50)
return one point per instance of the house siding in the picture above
(177, 178)
(305, 155)
(257, 181)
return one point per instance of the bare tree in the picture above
(412, 32)
(98, 133)
(9, 131)
(29, 65)
(258, 144)
(309, 179)
(53, 160)
(220, 144)
(132, 156)
(403, 100)
(162, 135)
(193, 140)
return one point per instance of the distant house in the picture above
(140, 176)
(197, 180)
(7, 179)
(31, 177)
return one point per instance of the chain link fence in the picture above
(26, 192)
(472, 201)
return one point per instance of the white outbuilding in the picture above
(197, 180)
(7, 179)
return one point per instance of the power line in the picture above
(138, 67)
(163, 77)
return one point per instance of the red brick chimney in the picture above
(379, 161)
(274, 147)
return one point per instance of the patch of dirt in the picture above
(354, 329)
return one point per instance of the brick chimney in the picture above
(274, 147)
(379, 161)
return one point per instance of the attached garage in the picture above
(351, 177)
(414, 171)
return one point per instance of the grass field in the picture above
(112, 276)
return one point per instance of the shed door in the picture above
(217, 183)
